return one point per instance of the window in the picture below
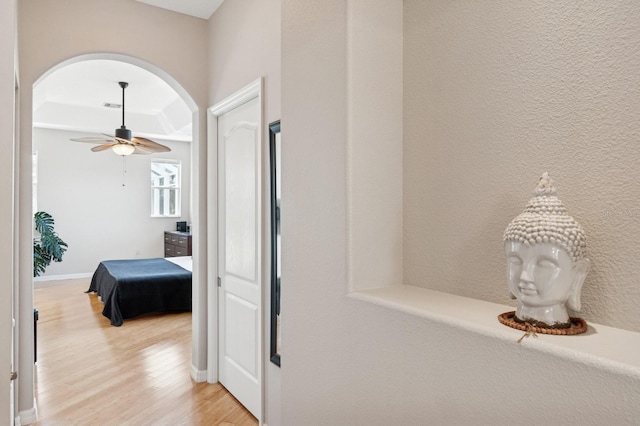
(165, 188)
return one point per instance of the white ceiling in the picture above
(198, 8)
(73, 97)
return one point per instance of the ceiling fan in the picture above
(123, 143)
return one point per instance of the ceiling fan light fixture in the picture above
(123, 143)
(123, 149)
(123, 133)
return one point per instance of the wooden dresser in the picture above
(177, 243)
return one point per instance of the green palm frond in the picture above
(44, 222)
(48, 247)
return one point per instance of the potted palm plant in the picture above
(47, 246)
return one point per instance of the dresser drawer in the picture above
(180, 240)
(183, 241)
(177, 244)
(180, 251)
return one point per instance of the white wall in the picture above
(496, 94)
(375, 143)
(350, 362)
(244, 45)
(94, 214)
(8, 67)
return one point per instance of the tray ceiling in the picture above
(74, 98)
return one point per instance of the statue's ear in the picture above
(580, 270)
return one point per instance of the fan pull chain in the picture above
(124, 168)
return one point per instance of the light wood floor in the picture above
(91, 373)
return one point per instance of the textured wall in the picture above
(244, 45)
(375, 143)
(495, 93)
(349, 362)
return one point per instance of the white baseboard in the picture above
(50, 280)
(63, 277)
(198, 375)
(29, 416)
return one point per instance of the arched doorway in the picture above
(105, 199)
(198, 370)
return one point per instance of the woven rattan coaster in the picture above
(578, 325)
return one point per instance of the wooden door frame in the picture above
(253, 90)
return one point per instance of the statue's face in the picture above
(539, 275)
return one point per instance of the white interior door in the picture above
(239, 253)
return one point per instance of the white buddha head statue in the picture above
(546, 263)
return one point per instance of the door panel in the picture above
(241, 349)
(239, 263)
(240, 200)
(242, 289)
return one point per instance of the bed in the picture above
(132, 287)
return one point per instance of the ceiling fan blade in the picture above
(93, 139)
(123, 136)
(149, 145)
(141, 150)
(103, 147)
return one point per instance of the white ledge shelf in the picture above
(601, 346)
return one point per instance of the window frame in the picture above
(176, 188)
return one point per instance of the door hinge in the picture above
(13, 375)
(219, 282)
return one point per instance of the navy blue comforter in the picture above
(133, 287)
